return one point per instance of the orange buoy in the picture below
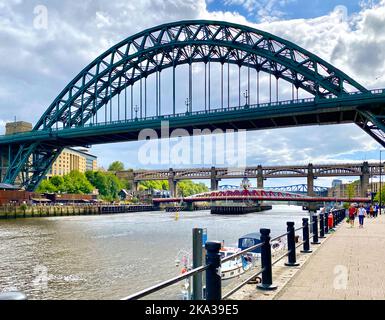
(184, 270)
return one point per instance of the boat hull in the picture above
(234, 210)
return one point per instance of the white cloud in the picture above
(354, 44)
(263, 10)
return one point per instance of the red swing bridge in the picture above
(255, 195)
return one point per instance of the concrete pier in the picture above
(14, 212)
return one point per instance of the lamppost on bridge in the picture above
(136, 109)
(246, 95)
(187, 103)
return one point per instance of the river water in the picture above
(112, 256)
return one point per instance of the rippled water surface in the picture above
(109, 257)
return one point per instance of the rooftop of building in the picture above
(82, 152)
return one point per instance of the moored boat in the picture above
(241, 264)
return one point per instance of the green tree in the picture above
(188, 188)
(377, 197)
(58, 182)
(46, 187)
(98, 180)
(77, 182)
(351, 190)
(185, 187)
(107, 183)
(116, 166)
(154, 185)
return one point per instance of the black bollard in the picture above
(334, 219)
(292, 257)
(315, 230)
(321, 226)
(213, 273)
(326, 223)
(267, 276)
(306, 236)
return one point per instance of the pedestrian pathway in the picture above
(349, 265)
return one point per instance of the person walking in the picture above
(371, 211)
(352, 215)
(361, 215)
(375, 210)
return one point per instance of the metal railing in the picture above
(319, 227)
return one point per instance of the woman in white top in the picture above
(361, 215)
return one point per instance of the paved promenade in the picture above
(350, 264)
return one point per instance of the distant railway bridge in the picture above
(260, 173)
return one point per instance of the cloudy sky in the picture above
(37, 62)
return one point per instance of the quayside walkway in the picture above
(348, 265)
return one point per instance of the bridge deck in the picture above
(356, 255)
(302, 112)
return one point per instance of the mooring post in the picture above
(197, 284)
(213, 273)
(292, 257)
(315, 229)
(306, 236)
(267, 276)
(321, 226)
(326, 223)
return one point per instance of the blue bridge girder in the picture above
(83, 113)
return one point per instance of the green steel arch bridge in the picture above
(252, 80)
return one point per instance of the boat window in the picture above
(247, 242)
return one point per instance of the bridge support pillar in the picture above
(260, 177)
(310, 181)
(214, 180)
(134, 185)
(364, 179)
(189, 206)
(156, 205)
(214, 184)
(172, 184)
(312, 207)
